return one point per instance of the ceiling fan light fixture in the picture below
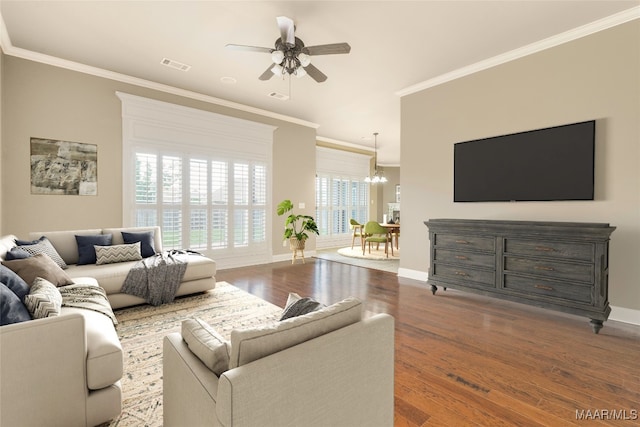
(304, 59)
(277, 70)
(277, 56)
(300, 72)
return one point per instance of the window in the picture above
(207, 191)
(340, 195)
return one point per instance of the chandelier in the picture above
(290, 59)
(378, 177)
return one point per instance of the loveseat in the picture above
(329, 367)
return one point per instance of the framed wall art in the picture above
(63, 167)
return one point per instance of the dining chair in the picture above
(375, 233)
(358, 231)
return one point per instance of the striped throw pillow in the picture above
(44, 299)
(117, 253)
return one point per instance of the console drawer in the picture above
(465, 258)
(546, 268)
(465, 242)
(564, 291)
(577, 251)
(464, 275)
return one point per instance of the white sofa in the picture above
(199, 276)
(66, 370)
(334, 377)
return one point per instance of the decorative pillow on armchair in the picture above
(39, 266)
(297, 306)
(206, 344)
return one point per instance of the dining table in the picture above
(393, 229)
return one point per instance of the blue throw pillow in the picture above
(14, 282)
(12, 310)
(86, 251)
(147, 246)
(17, 253)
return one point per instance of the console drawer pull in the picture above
(542, 267)
(461, 257)
(546, 288)
(544, 249)
(462, 242)
(461, 273)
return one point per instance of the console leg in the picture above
(434, 288)
(596, 325)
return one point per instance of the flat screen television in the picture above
(555, 163)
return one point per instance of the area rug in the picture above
(377, 254)
(142, 328)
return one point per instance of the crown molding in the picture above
(573, 34)
(9, 49)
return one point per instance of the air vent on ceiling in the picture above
(175, 64)
(280, 96)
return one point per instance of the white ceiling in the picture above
(396, 47)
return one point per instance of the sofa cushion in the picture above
(104, 351)
(206, 344)
(44, 299)
(86, 251)
(39, 266)
(253, 344)
(42, 246)
(65, 241)
(117, 253)
(14, 282)
(297, 306)
(12, 310)
(146, 239)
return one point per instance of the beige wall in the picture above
(596, 77)
(49, 102)
(1, 130)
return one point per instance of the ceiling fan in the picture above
(291, 56)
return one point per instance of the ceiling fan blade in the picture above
(315, 74)
(249, 48)
(287, 30)
(267, 74)
(327, 49)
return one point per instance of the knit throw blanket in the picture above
(156, 278)
(87, 297)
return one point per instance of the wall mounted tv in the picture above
(555, 163)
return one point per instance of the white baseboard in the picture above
(413, 274)
(287, 257)
(625, 315)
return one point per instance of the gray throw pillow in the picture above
(297, 306)
(12, 310)
(42, 246)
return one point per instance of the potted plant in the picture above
(296, 226)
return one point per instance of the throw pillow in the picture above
(12, 310)
(17, 253)
(39, 266)
(146, 239)
(86, 251)
(14, 282)
(42, 246)
(44, 299)
(252, 344)
(206, 344)
(117, 253)
(297, 306)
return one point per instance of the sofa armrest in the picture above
(341, 378)
(43, 372)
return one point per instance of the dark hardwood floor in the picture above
(464, 359)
